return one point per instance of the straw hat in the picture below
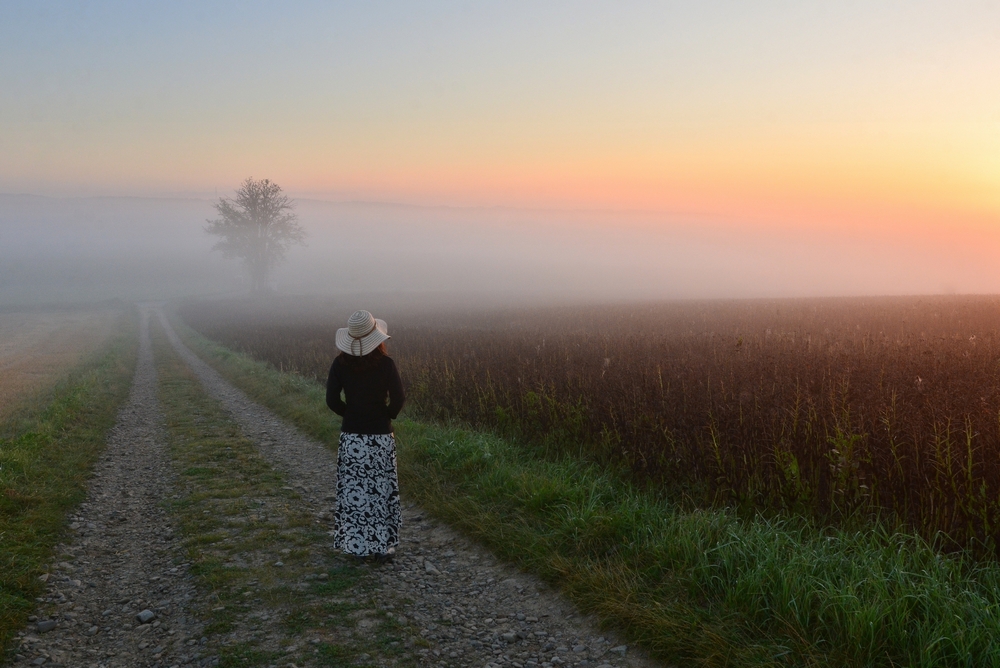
(363, 334)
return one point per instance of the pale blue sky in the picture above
(143, 97)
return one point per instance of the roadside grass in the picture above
(702, 586)
(274, 589)
(709, 586)
(47, 452)
(299, 400)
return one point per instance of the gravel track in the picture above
(471, 609)
(460, 606)
(123, 559)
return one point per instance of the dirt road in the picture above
(124, 559)
(121, 596)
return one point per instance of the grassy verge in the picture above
(46, 455)
(710, 587)
(275, 590)
(707, 587)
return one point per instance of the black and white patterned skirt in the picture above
(367, 494)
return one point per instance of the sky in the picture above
(872, 118)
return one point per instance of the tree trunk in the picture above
(258, 279)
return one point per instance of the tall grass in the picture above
(840, 410)
(712, 587)
(703, 586)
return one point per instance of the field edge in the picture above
(702, 586)
(47, 453)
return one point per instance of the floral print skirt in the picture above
(367, 513)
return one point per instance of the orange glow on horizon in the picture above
(807, 177)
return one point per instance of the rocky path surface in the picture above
(470, 609)
(117, 594)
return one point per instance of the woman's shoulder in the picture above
(387, 365)
(339, 365)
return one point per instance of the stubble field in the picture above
(38, 347)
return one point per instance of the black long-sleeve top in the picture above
(364, 407)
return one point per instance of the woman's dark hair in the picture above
(366, 361)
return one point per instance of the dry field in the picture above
(838, 409)
(37, 348)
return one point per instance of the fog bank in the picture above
(73, 249)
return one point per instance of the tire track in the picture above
(118, 594)
(461, 606)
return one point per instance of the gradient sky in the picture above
(792, 113)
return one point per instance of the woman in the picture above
(367, 489)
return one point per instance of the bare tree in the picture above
(258, 226)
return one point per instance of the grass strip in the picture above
(703, 586)
(274, 589)
(47, 452)
(708, 586)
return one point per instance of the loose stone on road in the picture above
(467, 608)
(118, 594)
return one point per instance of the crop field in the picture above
(839, 410)
(37, 347)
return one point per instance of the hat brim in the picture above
(361, 347)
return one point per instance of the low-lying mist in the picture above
(86, 249)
